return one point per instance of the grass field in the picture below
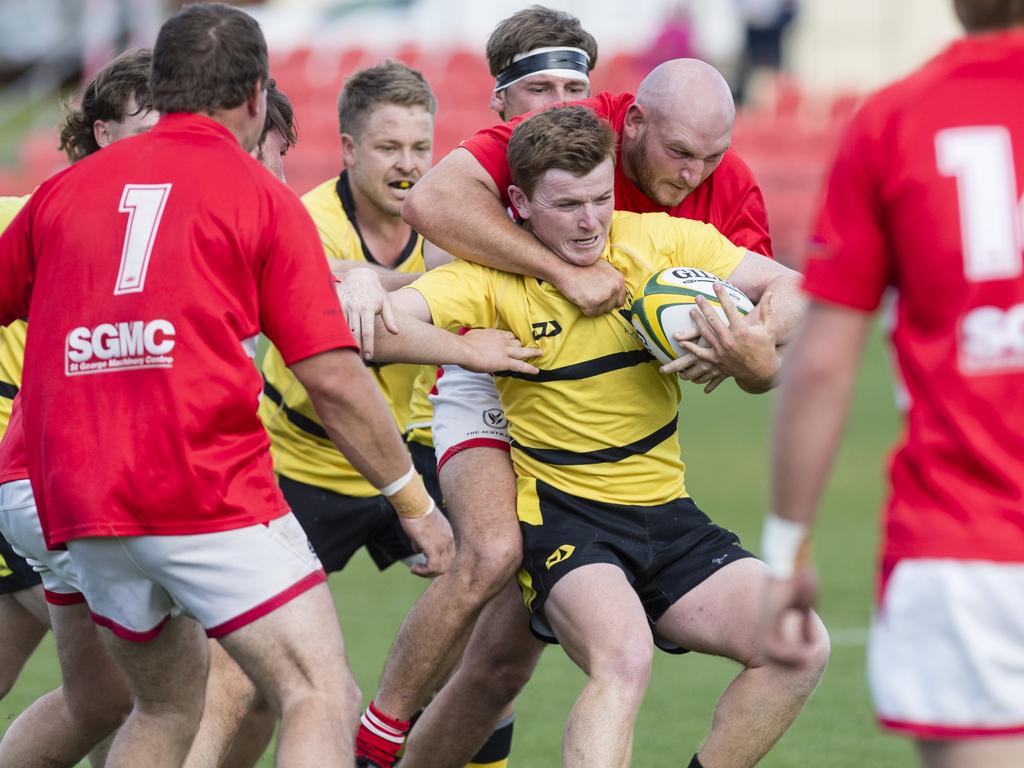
(725, 447)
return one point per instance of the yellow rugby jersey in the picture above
(599, 420)
(299, 444)
(12, 337)
(421, 411)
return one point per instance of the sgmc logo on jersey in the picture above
(119, 346)
(992, 340)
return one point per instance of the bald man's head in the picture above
(677, 130)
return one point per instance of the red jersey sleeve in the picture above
(745, 221)
(490, 145)
(17, 267)
(849, 261)
(299, 310)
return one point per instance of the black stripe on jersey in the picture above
(348, 204)
(586, 369)
(304, 423)
(8, 390)
(562, 457)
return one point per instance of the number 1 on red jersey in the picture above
(144, 204)
(991, 217)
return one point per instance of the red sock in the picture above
(380, 737)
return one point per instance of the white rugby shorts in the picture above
(946, 651)
(19, 523)
(467, 413)
(224, 580)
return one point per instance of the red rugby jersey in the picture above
(12, 447)
(729, 198)
(151, 267)
(925, 195)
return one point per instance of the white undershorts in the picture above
(19, 523)
(224, 580)
(946, 652)
(467, 413)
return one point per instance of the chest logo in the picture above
(546, 329)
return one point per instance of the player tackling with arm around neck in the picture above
(470, 429)
(587, 490)
(924, 197)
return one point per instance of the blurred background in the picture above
(797, 68)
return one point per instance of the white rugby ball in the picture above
(663, 309)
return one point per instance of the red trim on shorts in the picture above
(129, 634)
(267, 606)
(946, 732)
(63, 598)
(437, 378)
(475, 442)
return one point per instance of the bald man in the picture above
(673, 157)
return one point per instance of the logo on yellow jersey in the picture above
(560, 554)
(546, 329)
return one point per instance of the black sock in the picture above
(499, 744)
(695, 763)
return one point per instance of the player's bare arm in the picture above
(342, 268)
(418, 341)
(818, 380)
(486, 350)
(457, 205)
(363, 292)
(746, 348)
(357, 418)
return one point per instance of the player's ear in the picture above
(498, 102)
(633, 123)
(101, 132)
(519, 201)
(256, 96)
(348, 148)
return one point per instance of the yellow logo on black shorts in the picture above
(5, 569)
(560, 554)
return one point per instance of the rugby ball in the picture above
(663, 309)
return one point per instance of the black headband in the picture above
(562, 58)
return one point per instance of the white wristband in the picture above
(392, 488)
(782, 544)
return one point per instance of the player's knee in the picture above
(99, 712)
(821, 651)
(336, 693)
(625, 664)
(509, 676)
(486, 567)
(7, 680)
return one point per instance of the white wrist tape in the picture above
(784, 546)
(392, 488)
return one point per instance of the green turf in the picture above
(725, 446)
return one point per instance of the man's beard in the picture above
(644, 174)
